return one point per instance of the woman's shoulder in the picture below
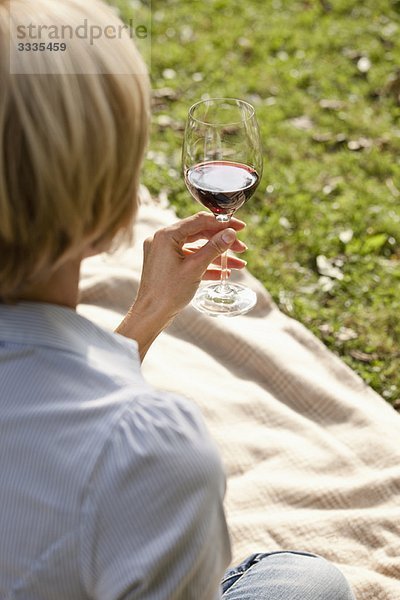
(163, 428)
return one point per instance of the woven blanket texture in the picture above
(311, 453)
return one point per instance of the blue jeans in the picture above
(285, 576)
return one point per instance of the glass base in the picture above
(229, 300)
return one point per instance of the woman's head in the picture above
(71, 145)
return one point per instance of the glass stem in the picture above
(223, 287)
(224, 272)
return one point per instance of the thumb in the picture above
(220, 242)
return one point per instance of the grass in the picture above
(323, 78)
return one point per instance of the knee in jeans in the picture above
(291, 575)
(330, 580)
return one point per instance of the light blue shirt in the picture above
(108, 488)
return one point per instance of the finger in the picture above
(201, 222)
(221, 241)
(236, 223)
(190, 247)
(213, 274)
(197, 242)
(233, 262)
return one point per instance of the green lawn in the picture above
(324, 226)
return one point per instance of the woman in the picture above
(109, 489)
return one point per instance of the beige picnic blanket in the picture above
(311, 453)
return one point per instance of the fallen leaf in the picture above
(326, 284)
(331, 104)
(392, 188)
(346, 236)
(165, 92)
(309, 289)
(245, 42)
(363, 356)
(285, 300)
(187, 34)
(326, 268)
(327, 189)
(360, 144)
(164, 121)
(346, 334)
(364, 64)
(282, 55)
(390, 29)
(304, 122)
(284, 222)
(169, 74)
(351, 53)
(161, 97)
(329, 139)
(326, 328)
(158, 158)
(247, 47)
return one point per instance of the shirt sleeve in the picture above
(154, 526)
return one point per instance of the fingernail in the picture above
(228, 236)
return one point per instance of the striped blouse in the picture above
(108, 488)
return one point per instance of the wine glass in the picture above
(222, 166)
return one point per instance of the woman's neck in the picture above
(61, 288)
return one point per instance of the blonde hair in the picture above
(71, 145)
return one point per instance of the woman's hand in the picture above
(172, 271)
(174, 265)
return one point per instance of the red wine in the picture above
(221, 186)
